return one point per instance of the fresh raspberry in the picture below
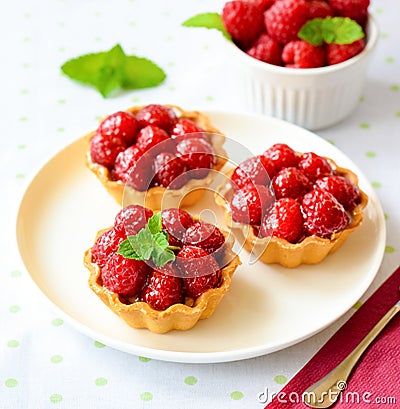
(281, 156)
(314, 166)
(243, 21)
(354, 9)
(284, 220)
(121, 124)
(266, 49)
(301, 54)
(290, 182)
(199, 269)
(175, 222)
(134, 168)
(124, 276)
(167, 168)
(284, 19)
(262, 4)
(131, 219)
(106, 245)
(251, 171)
(250, 204)
(104, 150)
(162, 290)
(150, 136)
(157, 115)
(319, 8)
(345, 192)
(204, 235)
(197, 155)
(184, 126)
(337, 53)
(323, 214)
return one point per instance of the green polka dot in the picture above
(280, 379)
(376, 185)
(56, 398)
(25, 65)
(398, 114)
(236, 395)
(98, 39)
(389, 249)
(370, 154)
(15, 274)
(135, 99)
(61, 101)
(27, 14)
(26, 39)
(144, 359)
(13, 343)
(23, 119)
(190, 380)
(11, 383)
(20, 175)
(362, 99)
(390, 60)
(98, 344)
(132, 24)
(394, 87)
(364, 125)
(24, 91)
(57, 322)
(21, 146)
(60, 129)
(100, 381)
(14, 309)
(56, 359)
(386, 216)
(357, 305)
(384, 35)
(146, 396)
(209, 98)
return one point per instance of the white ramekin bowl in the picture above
(314, 98)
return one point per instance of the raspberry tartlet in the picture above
(291, 208)
(161, 271)
(156, 155)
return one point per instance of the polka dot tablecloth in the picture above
(45, 362)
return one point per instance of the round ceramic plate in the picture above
(267, 308)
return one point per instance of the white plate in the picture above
(267, 308)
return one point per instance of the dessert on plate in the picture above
(161, 271)
(291, 208)
(156, 155)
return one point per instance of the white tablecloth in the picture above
(45, 362)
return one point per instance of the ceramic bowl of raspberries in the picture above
(304, 61)
(291, 208)
(161, 271)
(156, 155)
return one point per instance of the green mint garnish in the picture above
(110, 70)
(150, 243)
(208, 20)
(336, 30)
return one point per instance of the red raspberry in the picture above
(262, 4)
(337, 53)
(314, 166)
(150, 136)
(251, 171)
(344, 191)
(106, 245)
(243, 21)
(185, 126)
(266, 49)
(167, 168)
(250, 204)
(354, 9)
(281, 156)
(175, 222)
(284, 19)
(131, 219)
(104, 151)
(290, 182)
(163, 290)
(284, 220)
(124, 276)
(121, 124)
(157, 115)
(197, 155)
(301, 54)
(199, 269)
(323, 214)
(319, 8)
(204, 235)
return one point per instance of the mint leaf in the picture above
(126, 250)
(155, 223)
(111, 70)
(142, 243)
(163, 257)
(208, 20)
(336, 30)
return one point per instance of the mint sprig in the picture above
(149, 243)
(208, 20)
(331, 30)
(111, 70)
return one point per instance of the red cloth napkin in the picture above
(375, 383)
